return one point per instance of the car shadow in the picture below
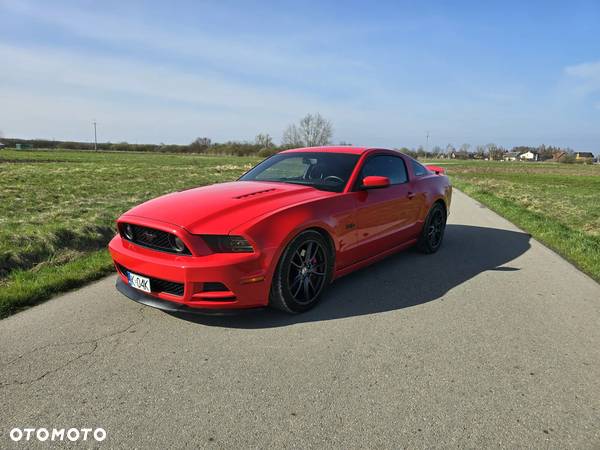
(400, 281)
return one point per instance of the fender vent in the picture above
(254, 193)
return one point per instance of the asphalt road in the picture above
(493, 341)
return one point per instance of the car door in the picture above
(386, 217)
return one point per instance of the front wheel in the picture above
(433, 230)
(302, 273)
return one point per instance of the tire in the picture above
(433, 230)
(302, 274)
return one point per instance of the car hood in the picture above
(218, 208)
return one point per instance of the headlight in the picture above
(227, 244)
(128, 231)
(177, 244)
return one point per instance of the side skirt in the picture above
(373, 259)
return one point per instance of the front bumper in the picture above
(244, 282)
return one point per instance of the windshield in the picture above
(326, 171)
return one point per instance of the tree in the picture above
(200, 144)
(264, 140)
(480, 152)
(496, 153)
(312, 131)
(463, 151)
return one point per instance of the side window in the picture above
(385, 166)
(417, 168)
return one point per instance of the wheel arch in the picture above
(326, 235)
(442, 202)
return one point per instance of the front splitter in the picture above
(165, 305)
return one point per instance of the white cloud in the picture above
(55, 67)
(56, 93)
(588, 70)
(284, 59)
(586, 75)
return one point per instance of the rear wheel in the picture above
(433, 230)
(302, 273)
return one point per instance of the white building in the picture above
(529, 156)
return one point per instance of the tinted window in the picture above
(322, 170)
(418, 169)
(385, 166)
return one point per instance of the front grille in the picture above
(152, 238)
(156, 284)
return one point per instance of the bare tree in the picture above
(264, 140)
(495, 153)
(312, 131)
(200, 144)
(480, 152)
(291, 137)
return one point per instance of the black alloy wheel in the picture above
(433, 230)
(302, 274)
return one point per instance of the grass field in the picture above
(57, 208)
(558, 204)
(57, 211)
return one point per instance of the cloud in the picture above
(223, 108)
(586, 75)
(285, 59)
(585, 70)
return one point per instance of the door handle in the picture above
(411, 195)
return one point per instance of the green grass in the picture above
(558, 204)
(57, 211)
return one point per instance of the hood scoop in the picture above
(251, 194)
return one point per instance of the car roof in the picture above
(331, 149)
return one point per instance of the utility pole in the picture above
(95, 137)
(427, 144)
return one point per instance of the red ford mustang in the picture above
(281, 233)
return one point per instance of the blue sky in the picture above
(384, 73)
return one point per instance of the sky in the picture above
(384, 73)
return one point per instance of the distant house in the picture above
(584, 156)
(530, 156)
(511, 156)
(2, 145)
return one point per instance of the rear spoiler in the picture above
(437, 169)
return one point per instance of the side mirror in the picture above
(375, 182)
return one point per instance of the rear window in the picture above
(385, 166)
(418, 169)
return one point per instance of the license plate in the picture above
(139, 282)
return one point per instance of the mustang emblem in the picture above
(149, 235)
